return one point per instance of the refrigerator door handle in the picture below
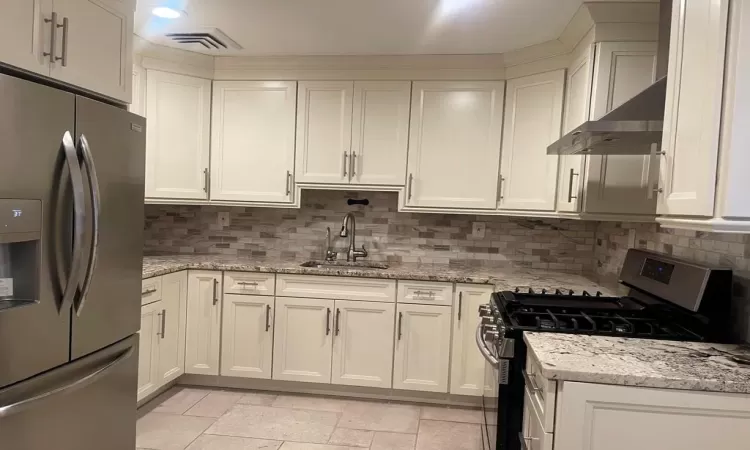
(79, 216)
(88, 162)
(81, 382)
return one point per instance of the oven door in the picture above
(490, 392)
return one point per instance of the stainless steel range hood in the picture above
(633, 128)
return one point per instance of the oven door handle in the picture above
(483, 348)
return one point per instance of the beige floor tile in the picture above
(257, 398)
(310, 402)
(380, 417)
(438, 435)
(304, 446)
(281, 424)
(215, 442)
(353, 438)
(452, 414)
(384, 440)
(214, 404)
(181, 400)
(158, 431)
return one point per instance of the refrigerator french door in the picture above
(71, 224)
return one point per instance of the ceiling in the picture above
(363, 27)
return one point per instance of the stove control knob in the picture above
(488, 320)
(484, 310)
(491, 335)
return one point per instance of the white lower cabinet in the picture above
(303, 336)
(423, 334)
(148, 350)
(363, 343)
(247, 336)
(467, 364)
(533, 436)
(174, 290)
(203, 322)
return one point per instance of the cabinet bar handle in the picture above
(216, 292)
(400, 321)
(346, 155)
(570, 186)
(205, 180)
(338, 321)
(328, 321)
(53, 38)
(411, 180)
(247, 283)
(148, 291)
(163, 322)
(354, 164)
(500, 186)
(64, 57)
(460, 304)
(268, 317)
(288, 182)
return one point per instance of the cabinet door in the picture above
(138, 102)
(24, 37)
(591, 417)
(98, 53)
(467, 364)
(178, 111)
(380, 132)
(148, 350)
(247, 336)
(454, 144)
(172, 343)
(618, 183)
(423, 335)
(363, 343)
(533, 118)
(303, 339)
(533, 435)
(324, 131)
(203, 323)
(692, 116)
(577, 106)
(252, 141)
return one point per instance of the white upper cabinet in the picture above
(363, 343)
(467, 364)
(247, 336)
(533, 119)
(138, 102)
(24, 35)
(454, 144)
(621, 184)
(692, 117)
(178, 109)
(380, 132)
(203, 332)
(324, 131)
(252, 141)
(96, 49)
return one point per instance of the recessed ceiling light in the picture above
(166, 13)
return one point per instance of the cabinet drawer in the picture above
(342, 288)
(425, 293)
(542, 394)
(150, 290)
(249, 283)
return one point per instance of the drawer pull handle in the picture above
(149, 291)
(430, 294)
(247, 283)
(530, 382)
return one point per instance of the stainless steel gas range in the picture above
(669, 298)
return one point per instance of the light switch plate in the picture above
(224, 219)
(477, 230)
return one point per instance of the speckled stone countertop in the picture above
(696, 366)
(502, 278)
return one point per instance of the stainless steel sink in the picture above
(344, 265)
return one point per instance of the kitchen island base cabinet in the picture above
(203, 322)
(423, 334)
(363, 343)
(247, 336)
(605, 417)
(467, 364)
(302, 343)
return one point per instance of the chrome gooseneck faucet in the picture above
(348, 229)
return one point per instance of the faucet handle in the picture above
(364, 251)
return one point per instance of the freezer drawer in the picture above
(89, 404)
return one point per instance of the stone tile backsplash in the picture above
(389, 235)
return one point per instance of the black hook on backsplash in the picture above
(355, 201)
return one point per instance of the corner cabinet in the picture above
(203, 332)
(178, 109)
(454, 141)
(533, 118)
(252, 141)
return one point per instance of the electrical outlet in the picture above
(224, 219)
(477, 230)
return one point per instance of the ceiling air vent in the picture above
(212, 39)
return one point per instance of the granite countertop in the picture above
(696, 366)
(501, 278)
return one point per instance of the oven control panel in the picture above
(657, 270)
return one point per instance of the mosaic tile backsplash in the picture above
(388, 235)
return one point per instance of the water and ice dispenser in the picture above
(20, 247)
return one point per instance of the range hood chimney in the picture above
(635, 127)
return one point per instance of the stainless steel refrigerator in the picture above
(71, 240)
